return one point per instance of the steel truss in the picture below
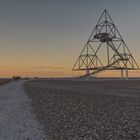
(105, 50)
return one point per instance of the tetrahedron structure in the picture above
(105, 50)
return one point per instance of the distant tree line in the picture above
(16, 78)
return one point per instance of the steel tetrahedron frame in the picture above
(105, 50)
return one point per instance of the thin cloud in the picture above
(49, 67)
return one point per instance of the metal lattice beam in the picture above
(106, 36)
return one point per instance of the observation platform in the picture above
(104, 37)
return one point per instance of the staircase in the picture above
(101, 69)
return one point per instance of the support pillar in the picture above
(126, 74)
(87, 72)
(122, 74)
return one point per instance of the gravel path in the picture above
(16, 120)
(87, 110)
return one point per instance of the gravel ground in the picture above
(17, 122)
(87, 110)
(5, 81)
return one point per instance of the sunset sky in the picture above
(44, 37)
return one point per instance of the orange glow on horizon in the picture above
(52, 72)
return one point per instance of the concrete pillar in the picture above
(122, 74)
(126, 74)
(87, 72)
